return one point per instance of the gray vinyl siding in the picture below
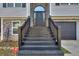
(64, 10)
(13, 12)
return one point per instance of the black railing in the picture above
(55, 31)
(24, 29)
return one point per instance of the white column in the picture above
(47, 23)
(50, 9)
(28, 9)
(43, 17)
(31, 22)
(34, 18)
(13, 4)
(1, 28)
(77, 30)
(1, 5)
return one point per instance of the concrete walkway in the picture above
(72, 46)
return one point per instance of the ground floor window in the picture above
(15, 25)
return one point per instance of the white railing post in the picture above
(59, 37)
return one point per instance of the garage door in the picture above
(68, 30)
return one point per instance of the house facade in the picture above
(65, 15)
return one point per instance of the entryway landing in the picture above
(39, 31)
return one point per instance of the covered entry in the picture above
(39, 16)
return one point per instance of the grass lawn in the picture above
(65, 51)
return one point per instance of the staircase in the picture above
(39, 43)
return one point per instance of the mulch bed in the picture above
(6, 48)
(9, 43)
(6, 52)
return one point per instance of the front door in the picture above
(39, 19)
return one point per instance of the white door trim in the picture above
(44, 17)
(34, 18)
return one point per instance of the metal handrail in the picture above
(22, 30)
(55, 31)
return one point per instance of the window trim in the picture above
(13, 27)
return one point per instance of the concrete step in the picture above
(38, 42)
(39, 38)
(40, 53)
(39, 47)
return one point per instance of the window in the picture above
(10, 4)
(23, 5)
(4, 5)
(74, 3)
(17, 4)
(57, 4)
(64, 4)
(7, 5)
(15, 25)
